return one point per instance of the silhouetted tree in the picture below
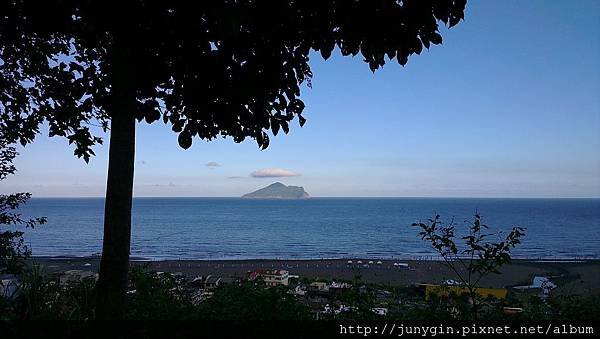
(478, 257)
(208, 68)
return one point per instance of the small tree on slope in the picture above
(478, 257)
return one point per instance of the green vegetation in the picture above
(478, 257)
(39, 297)
(253, 302)
(168, 297)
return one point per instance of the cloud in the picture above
(212, 165)
(170, 184)
(234, 177)
(273, 173)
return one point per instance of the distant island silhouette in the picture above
(278, 191)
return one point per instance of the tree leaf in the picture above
(185, 140)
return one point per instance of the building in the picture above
(299, 290)
(212, 282)
(336, 288)
(542, 285)
(197, 282)
(318, 286)
(271, 277)
(276, 277)
(209, 282)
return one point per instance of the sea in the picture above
(315, 228)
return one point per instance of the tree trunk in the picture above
(112, 284)
(475, 307)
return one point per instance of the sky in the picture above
(508, 106)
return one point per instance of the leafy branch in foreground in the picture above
(12, 246)
(478, 257)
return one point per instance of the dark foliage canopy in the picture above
(207, 68)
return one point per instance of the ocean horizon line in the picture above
(136, 258)
(326, 197)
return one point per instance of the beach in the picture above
(570, 276)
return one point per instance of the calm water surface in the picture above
(232, 228)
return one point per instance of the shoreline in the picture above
(415, 258)
(572, 276)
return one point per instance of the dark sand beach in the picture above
(570, 276)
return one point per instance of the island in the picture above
(278, 191)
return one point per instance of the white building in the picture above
(272, 277)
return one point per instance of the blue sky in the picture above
(509, 106)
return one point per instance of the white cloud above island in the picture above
(273, 173)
